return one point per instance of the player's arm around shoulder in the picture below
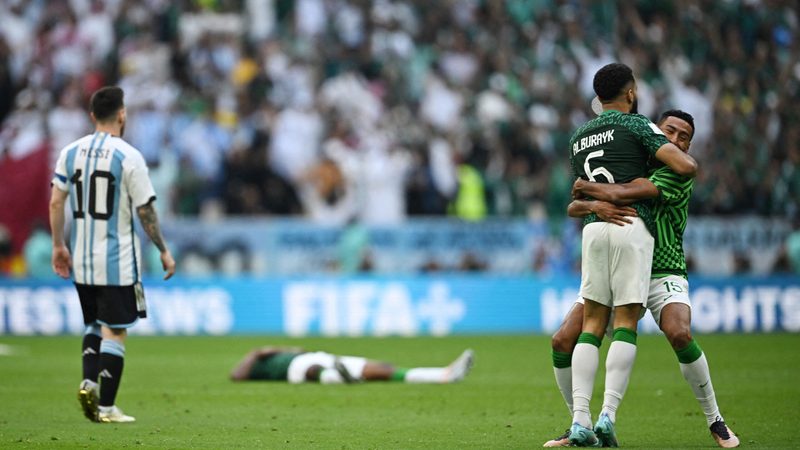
(680, 162)
(618, 193)
(657, 145)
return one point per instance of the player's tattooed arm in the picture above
(619, 194)
(149, 218)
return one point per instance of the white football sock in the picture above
(698, 376)
(330, 376)
(426, 375)
(564, 382)
(585, 359)
(619, 365)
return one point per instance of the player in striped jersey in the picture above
(105, 180)
(668, 299)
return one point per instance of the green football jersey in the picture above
(274, 367)
(670, 214)
(615, 148)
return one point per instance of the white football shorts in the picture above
(666, 290)
(663, 291)
(301, 363)
(616, 262)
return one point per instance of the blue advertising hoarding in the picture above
(382, 306)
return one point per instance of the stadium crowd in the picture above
(373, 110)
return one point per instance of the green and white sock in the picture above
(399, 374)
(619, 365)
(585, 359)
(562, 368)
(694, 368)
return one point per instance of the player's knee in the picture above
(679, 336)
(313, 373)
(114, 334)
(563, 342)
(627, 316)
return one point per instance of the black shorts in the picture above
(112, 306)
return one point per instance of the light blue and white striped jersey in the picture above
(106, 179)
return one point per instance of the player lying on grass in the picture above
(668, 299)
(296, 365)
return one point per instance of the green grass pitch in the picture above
(177, 388)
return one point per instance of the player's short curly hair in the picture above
(683, 115)
(105, 102)
(610, 79)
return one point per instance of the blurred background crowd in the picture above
(371, 111)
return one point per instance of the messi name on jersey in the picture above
(96, 152)
(592, 140)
